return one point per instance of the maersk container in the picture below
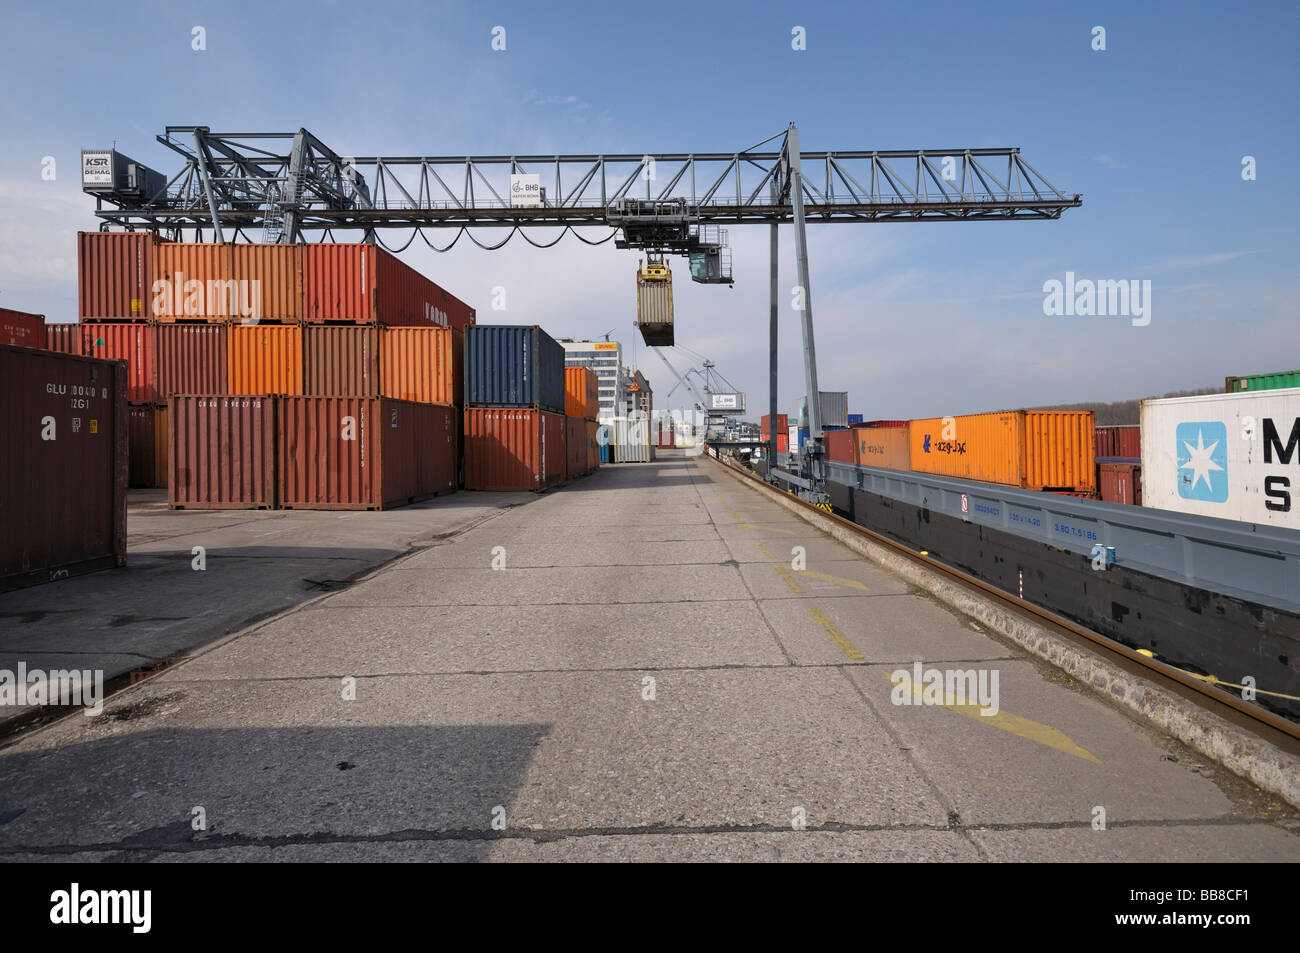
(63, 484)
(885, 447)
(340, 361)
(221, 452)
(1232, 456)
(834, 409)
(20, 329)
(133, 343)
(363, 453)
(115, 275)
(63, 337)
(513, 366)
(513, 448)
(1277, 381)
(147, 445)
(575, 446)
(1034, 450)
(190, 359)
(422, 364)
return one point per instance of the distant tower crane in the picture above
(289, 184)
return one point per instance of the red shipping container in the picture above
(363, 453)
(782, 425)
(363, 284)
(190, 359)
(340, 361)
(63, 491)
(147, 439)
(63, 337)
(839, 445)
(20, 329)
(115, 275)
(593, 448)
(1103, 442)
(133, 343)
(513, 448)
(881, 423)
(221, 452)
(1120, 482)
(1119, 441)
(575, 443)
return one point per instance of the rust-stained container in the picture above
(839, 445)
(133, 343)
(885, 447)
(1119, 441)
(195, 281)
(575, 446)
(264, 359)
(190, 359)
(20, 329)
(63, 483)
(513, 448)
(363, 284)
(63, 337)
(1120, 482)
(147, 441)
(272, 275)
(361, 453)
(876, 424)
(340, 361)
(593, 447)
(581, 393)
(221, 452)
(115, 275)
(422, 364)
(1035, 450)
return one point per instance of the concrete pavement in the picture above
(657, 673)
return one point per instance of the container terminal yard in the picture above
(313, 548)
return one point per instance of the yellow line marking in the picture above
(789, 579)
(1004, 720)
(766, 529)
(840, 639)
(762, 548)
(849, 583)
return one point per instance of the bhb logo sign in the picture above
(1201, 449)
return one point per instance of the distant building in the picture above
(605, 358)
(642, 396)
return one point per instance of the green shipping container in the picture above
(1281, 379)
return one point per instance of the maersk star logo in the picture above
(1202, 451)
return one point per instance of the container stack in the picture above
(581, 405)
(515, 398)
(297, 361)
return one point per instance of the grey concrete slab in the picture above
(582, 535)
(838, 581)
(1237, 843)
(817, 551)
(606, 551)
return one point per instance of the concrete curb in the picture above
(1235, 748)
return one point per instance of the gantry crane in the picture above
(290, 184)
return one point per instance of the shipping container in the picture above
(63, 493)
(1120, 482)
(834, 409)
(581, 393)
(20, 329)
(363, 284)
(270, 281)
(575, 446)
(422, 364)
(147, 445)
(631, 436)
(513, 448)
(1275, 381)
(1232, 456)
(195, 281)
(513, 366)
(63, 337)
(221, 452)
(340, 361)
(855, 420)
(885, 447)
(190, 359)
(264, 359)
(363, 453)
(133, 343)
(1118, 441)
(654, 304)
(839, 445)
(665, 432)
(115, 275)
(605, 442)
(1035, 450)
(782, 424)
(878, 424)
(593, 444)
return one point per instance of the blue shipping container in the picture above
(855, 419)
(604, 436)
(513, 366)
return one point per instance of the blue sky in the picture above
(912, 320)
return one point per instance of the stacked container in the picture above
(20, 329)
(581, 405)
(782, 431)
(515, 426)
(1035, 450)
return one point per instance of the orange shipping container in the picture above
(272, 275)
(1036, 450)
(195, 281)
(885, 447)
(513, 448)
(264, 359)
(581, 393)
(422, 364)
(115, 275)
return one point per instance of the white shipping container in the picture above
(1233, 456)
(631, 439)
(834, 409)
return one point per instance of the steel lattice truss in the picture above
(288, 184)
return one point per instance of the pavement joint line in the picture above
(215, 841)
(1235, 748)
